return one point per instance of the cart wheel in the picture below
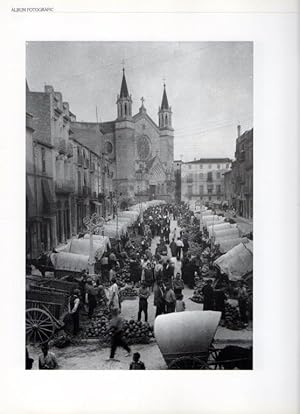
(188, 363)
(39, 326)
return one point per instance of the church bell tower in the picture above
(166, 132)
(124, 101)
(125, 143)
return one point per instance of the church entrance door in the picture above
(152, 192)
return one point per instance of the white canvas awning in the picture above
(237, 262)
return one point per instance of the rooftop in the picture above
(88, 134)
(209, 161)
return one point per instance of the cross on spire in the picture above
(143, 100)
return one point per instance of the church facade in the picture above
(141, 151)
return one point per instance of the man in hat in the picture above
(91, 296)
(208, 295)
(170, 299)
(73, 308)
(114, 302)
(159, 300)
(116, 325)
(144, 294)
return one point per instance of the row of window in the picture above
(209, 189)
(210, 166)
(201, 176)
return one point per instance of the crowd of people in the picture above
(163, 271)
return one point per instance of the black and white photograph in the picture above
(139, 205)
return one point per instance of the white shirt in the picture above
(114, 290)
(179, 243)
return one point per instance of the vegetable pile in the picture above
(197, 297)
(134, 332)
(128, 293)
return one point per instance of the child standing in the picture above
(136, 363)
(180, 305)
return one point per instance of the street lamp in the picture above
(92, 223)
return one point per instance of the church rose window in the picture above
(143, 147)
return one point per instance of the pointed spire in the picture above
(164, 102)
(124, 90)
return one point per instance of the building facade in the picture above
(241, 190)
(228, 188)
(140, 152)
(203, 180)
(65, 179)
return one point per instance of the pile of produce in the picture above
(134, 332)
(123, 276)
(197, 297)
(138, 332)
(199, 283)
(102, 313)
(232, 317)
(128, 293)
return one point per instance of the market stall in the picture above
(227, 244)
(215, 221)
(237, 262)
(232, 233)
(97, 237)
(70, 262)
(82, 247)
(219, 226)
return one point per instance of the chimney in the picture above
(49, 89)
(239, 130)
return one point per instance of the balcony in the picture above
(79, 160)
(64, 186)
(62, 146)
(86, 191)
(69, 150)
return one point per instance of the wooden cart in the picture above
(185, 341)
(46, 307)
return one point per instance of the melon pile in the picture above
(128, 293)
(134, 332)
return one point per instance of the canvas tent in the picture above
(219, 226)
(237, 262)
(103, 239)
(82, 247)
(69, 261)
(227, 244)
(232, 233)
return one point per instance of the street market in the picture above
(135, 266)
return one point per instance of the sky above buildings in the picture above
(209, 85)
